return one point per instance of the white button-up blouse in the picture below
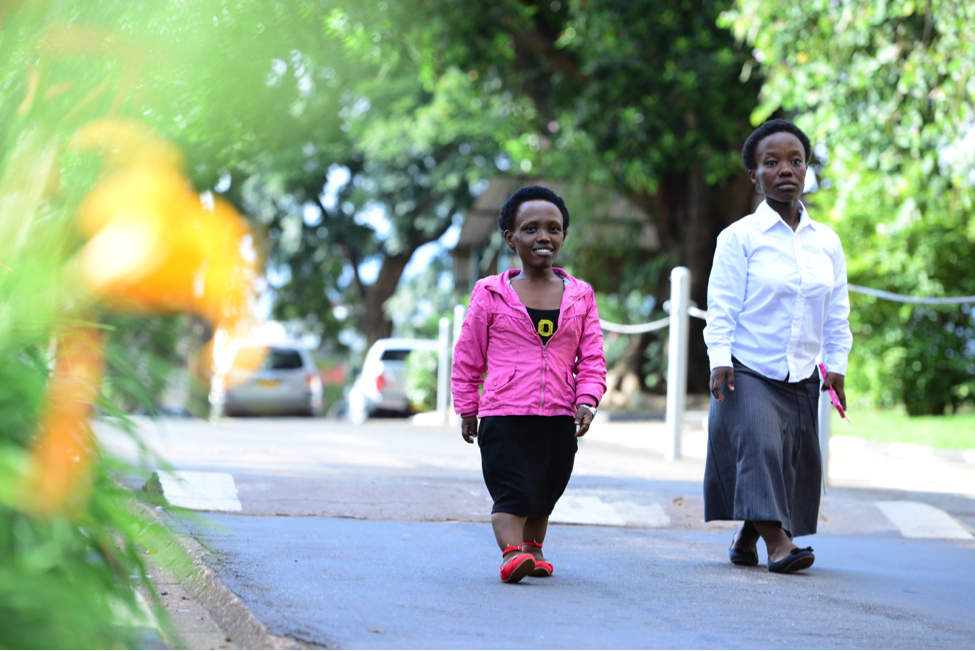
(776, 298)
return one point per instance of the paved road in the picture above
(331, 533)
(389, 584)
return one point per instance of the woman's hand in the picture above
(468, 428)
(836, 380)
(583, 420)
(718, 377)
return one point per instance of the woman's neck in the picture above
(530, 273)
(789, 211)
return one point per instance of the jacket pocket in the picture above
(498, 379)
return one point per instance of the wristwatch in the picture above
(591, 410)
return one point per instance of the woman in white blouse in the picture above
(777, 299)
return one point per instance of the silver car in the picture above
(380, 386)
(268, 380)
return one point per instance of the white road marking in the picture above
(593, 509)
(917, 520)
(200, 491)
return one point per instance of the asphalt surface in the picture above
(378, 537)
(385, 584)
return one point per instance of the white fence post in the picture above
(459, 312)
(443, 367)
(680, 301)
(825, 420)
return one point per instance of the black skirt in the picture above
(763, 461)
(527, 461)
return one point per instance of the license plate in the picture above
(269, 384)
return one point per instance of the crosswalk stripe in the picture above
(584, 507)
(199, 491)
(918, 520)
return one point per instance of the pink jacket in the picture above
(523, 376)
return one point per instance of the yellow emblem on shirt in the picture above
(546, 328)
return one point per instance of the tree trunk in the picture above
(377, 324)
(689, 215)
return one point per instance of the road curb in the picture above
(225, 607)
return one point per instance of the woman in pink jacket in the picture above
(536, 333)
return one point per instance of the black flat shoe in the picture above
(743, 557)
(798, 559)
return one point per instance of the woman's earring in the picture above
(758, 189)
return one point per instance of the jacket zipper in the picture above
(541, 402)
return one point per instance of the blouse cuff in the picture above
(836, 364)
(720, 356)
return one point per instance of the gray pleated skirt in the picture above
(763, 460)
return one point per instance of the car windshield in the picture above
(394, 355)
(267, 359)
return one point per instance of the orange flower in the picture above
(61, 456)
(153, 248)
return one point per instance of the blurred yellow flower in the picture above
(59, 460)
(153, 247)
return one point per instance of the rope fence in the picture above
(637, 329)
(916, 300)
(678, 341)
(698, 313)
(677, 321)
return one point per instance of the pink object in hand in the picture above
(832, 395)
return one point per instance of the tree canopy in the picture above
(645, 98)
(885, 91)
(354, 133)
(345, 159)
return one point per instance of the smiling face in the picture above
(537, 234)
(781, 167)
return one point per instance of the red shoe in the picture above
(520, 566)
(542, 567)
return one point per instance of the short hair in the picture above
(766, 130)
(506, 220)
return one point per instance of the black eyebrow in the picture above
(800, 154)
(538, 221)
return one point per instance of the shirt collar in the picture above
(768, 217)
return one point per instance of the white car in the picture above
(267, 380)
(380, 386)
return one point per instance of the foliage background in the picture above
(316, 116)
(421, 380)
(885, 91)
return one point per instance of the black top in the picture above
(546, 322)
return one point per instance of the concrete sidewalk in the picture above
(862, 476)
(611, 449)
(853, 463)
(320, 467)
